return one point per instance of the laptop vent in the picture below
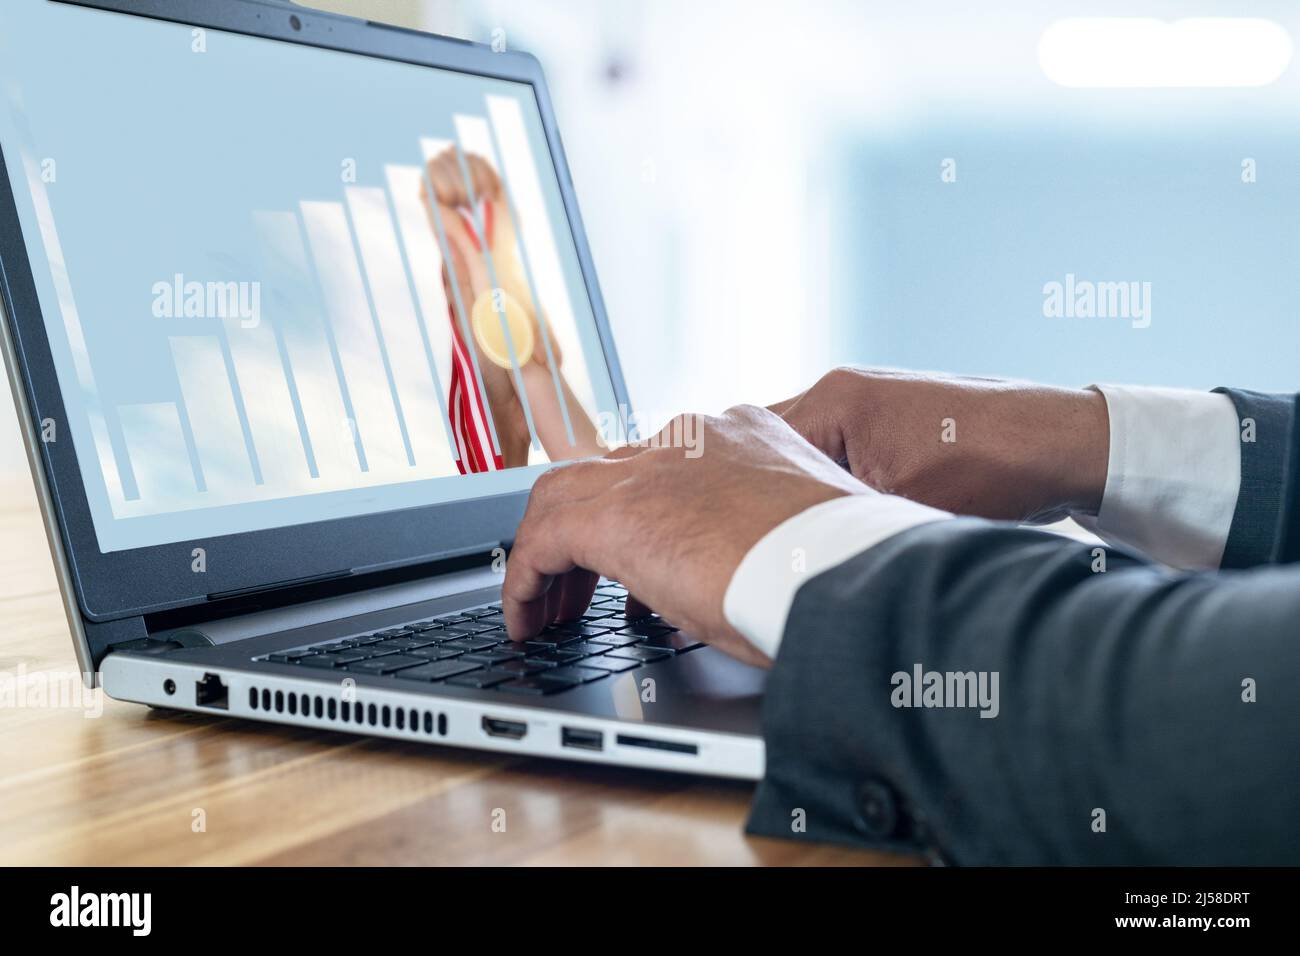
(330, 710)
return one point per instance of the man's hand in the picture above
(672, 528)
(984, 447)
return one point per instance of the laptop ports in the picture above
(510, 729)
(582, 739)
(212, 692)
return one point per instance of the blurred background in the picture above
(773, 187)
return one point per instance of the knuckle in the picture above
(744, 411)
(677, 430)
(840, 375)
(545, 486)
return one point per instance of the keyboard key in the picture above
(619, 621)
(582, 629)
(595, 614)
(614, 665)
(541, 684)
(439, 636)
(386, 664)
(471, 643)
(584, 674)
(557, 657)
(434, 653)
(325, 661)
(488, 678)
(437, 670)
(468, 627)
(333, 646)
(529, 665)
(638, 653)
(495, 619)
(646, 628)
(555, 638)
(403, 643)
(617, 640)
(587, 648)
(496, 655)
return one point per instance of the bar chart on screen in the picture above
(328, 364)
(332, 384)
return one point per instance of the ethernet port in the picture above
(212, 692)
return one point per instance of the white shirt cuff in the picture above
(763, 587)
(1174, 474)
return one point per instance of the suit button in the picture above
(877, 809)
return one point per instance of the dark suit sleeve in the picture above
(1125, 692)
(1256, 534)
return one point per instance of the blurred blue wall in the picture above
(950, 275)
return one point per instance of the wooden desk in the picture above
(124, 788)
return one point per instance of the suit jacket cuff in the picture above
(1264, 423)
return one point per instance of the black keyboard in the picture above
(471, 649)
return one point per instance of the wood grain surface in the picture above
(99, 782)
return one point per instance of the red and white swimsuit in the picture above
(466, 405)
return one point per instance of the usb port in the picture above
(496, 727)
(582, 739)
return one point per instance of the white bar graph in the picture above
(538, 238)
(391, 294)
(155, 444)
(72, 326)
(210, 405)
(424, 258)
(290, 303)
(267, 401)
(348, 307)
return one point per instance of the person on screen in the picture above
(517, 354)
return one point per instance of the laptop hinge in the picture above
(394, 600)
(277, 586)
(245, 602)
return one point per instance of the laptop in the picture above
(296, 309)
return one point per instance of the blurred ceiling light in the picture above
(1117, 52)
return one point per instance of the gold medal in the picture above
(490, 309)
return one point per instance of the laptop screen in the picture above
(285, 284)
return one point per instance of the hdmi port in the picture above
(496, 727)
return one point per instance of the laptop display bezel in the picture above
(123, 584)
